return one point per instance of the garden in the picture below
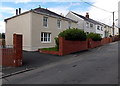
(74, 40)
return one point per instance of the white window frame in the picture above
(59, 23)
(69, 24)
(91, 25)
(87, 24)
(48, 37)
(46, 21)
(101, 28)
(98, 28)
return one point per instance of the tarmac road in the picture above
(97, 66)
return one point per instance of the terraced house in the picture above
(87, 24)
(38, 26)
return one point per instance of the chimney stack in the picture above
(16, 11)
(19, 11)
(87, 15)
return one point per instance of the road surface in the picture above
(96, 66)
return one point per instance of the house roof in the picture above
(45, 12)
(88, 19)
(50, 13)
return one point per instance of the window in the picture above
(98, 27)
(45, 21)
(69, 25)
(91, 25)
(87, 24)
(101, 28)
(45, 37)
(59, 23)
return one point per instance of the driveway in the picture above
(33, 60)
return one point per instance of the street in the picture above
(95, 66)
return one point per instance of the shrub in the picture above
(73, 34)
(57, 42)
(94, 36)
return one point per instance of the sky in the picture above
(100, 10)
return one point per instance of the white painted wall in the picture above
(82, 24)
(37, 28)
(19, 25)
(30, 25)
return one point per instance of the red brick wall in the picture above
(0, 41)
(12, 56)
(106, 41)
(93, 44)
(17, 44)
(67, 46)
(50, 52)
(7, 56)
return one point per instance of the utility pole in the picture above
(113, 23)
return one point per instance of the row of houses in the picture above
(40, 26)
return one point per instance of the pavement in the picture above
(95, 66)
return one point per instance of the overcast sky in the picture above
(7, 8)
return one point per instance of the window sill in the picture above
(45, 42)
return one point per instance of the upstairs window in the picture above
(101, 28)
(45, 21)
(59, 23)
(69, 25)
(98, 27)
(91, 25)
(87, 24)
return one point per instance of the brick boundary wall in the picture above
(93, 44)
(17, 45)
(12, 56)
(7, 55)
(50, 52)
(106, 41)
(67, 46)
(0, 42)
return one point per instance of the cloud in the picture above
(26, 1)
(64, 9)
(2, 26)
(105, 17)
(22, 1)
(8, 10)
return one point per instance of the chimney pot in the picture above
(16, 11)
(19, 11)
(87, 15)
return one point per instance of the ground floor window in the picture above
(45, 37)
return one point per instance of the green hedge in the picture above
(94, 36)
(73, 34)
